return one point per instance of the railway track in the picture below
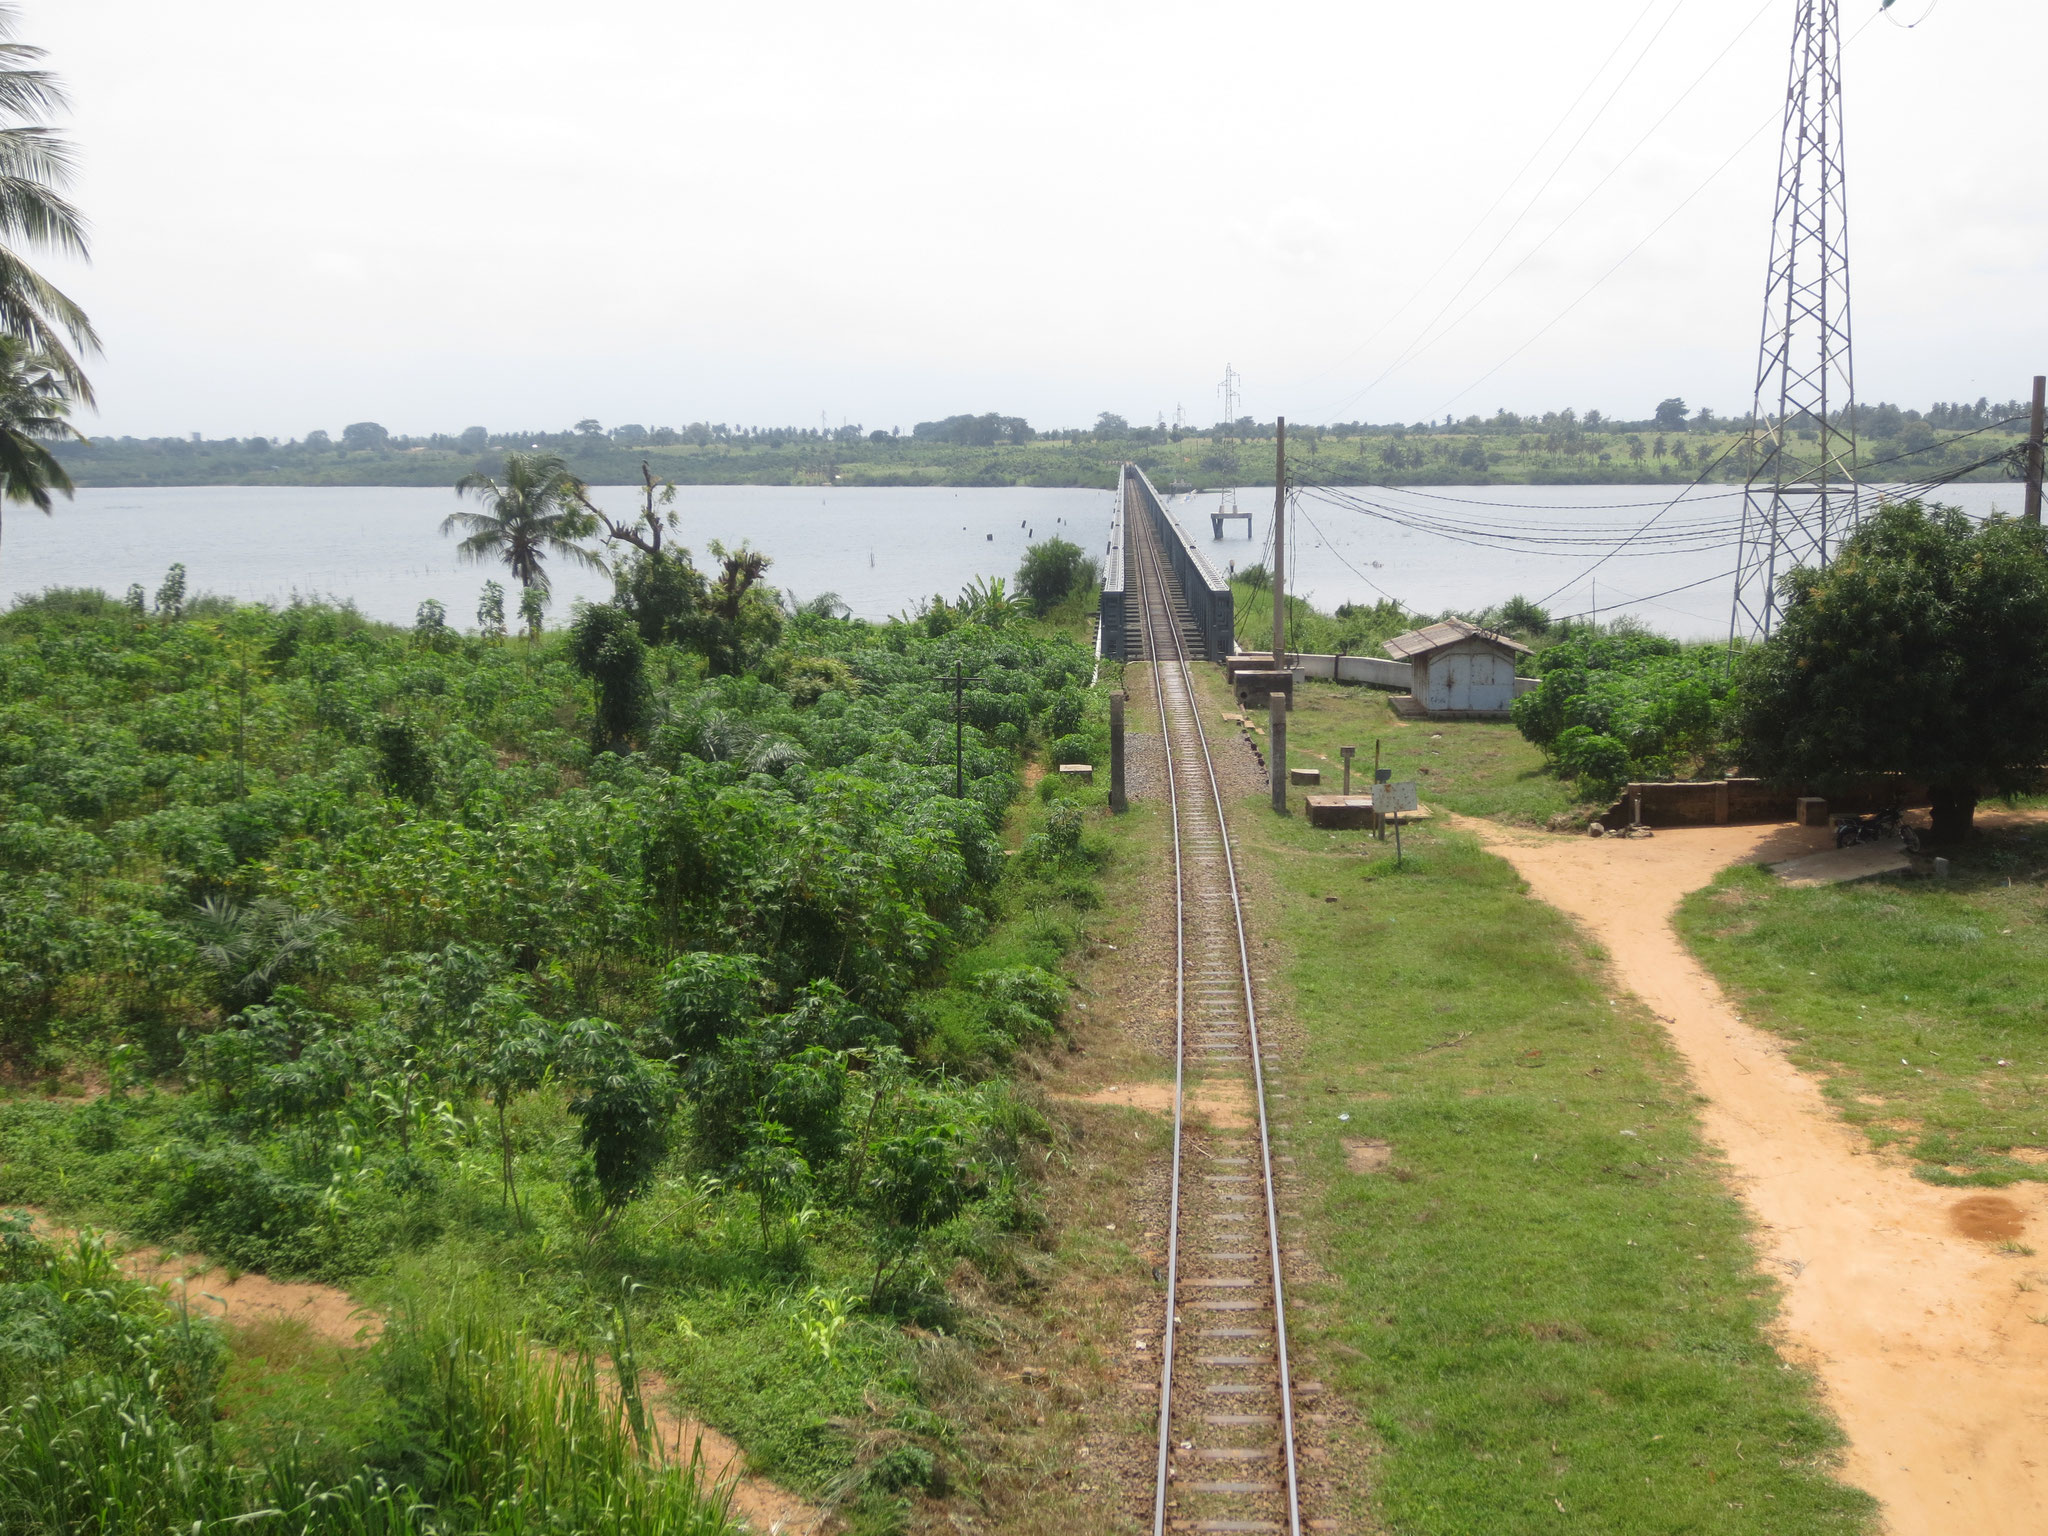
(1228, 1459)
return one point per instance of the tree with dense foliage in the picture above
(625, 1101)
(1052, 569)
(608, 650)
(536, 512)
(1920, 650)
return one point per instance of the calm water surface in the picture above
(381, 546)
(880, 549)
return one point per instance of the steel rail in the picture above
(1158, 617)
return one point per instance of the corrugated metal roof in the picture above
(1435, 637)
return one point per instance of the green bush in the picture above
(1625, 704)
(1052, 570)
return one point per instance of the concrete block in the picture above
(1344, 813)
(1085, 772)
(1810, 811)
(1255, 687)
(1304, 775)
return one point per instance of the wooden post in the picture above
(1117, 804)
(1280, 546)
(2034, 450)
(1276, 704)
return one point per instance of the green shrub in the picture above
(1627, 705)
(1053, 569)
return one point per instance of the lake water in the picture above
(381, 546)
(882, 549)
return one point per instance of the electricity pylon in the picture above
(1799, 496)
(1226, 503)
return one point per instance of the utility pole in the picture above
(1277, 699)
(2034, 450)
(1280, 543)
(959, 681)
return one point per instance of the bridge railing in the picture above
(1208, 594)
(1113, 610)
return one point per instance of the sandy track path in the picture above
(1924, 1344)
(330, 1313)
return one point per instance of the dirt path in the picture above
(1925, 1344)
(332, 1314)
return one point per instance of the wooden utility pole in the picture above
(1277, 700)
(2034, 451)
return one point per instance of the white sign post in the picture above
(1398, 798)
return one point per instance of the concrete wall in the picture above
(1710, 802)
(1375, 671)
(1112, 609)
(1208, 594)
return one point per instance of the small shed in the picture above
(1458, 669)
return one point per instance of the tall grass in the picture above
(107, 1428)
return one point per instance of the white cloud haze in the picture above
(451, 212)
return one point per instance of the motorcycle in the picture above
(1876, 827)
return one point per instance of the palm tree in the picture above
(34, 165)
(34, 402)
(534, 513)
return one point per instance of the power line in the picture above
(1601, 280)
(1502, 195)
(1420, 346)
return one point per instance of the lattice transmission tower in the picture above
(1226, 504)
(1799, 495)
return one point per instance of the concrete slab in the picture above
(1345, 812)
(1858, 862)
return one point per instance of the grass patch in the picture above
(1474, 767)
(1540, 1293)
(1923, 1005)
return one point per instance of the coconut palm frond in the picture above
(28, 92)
(33, 310)
(536, 512)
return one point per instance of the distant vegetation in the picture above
(1562, 447)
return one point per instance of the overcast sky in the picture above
(441, 213)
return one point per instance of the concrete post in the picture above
(1276, 701)
(1117, 804)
